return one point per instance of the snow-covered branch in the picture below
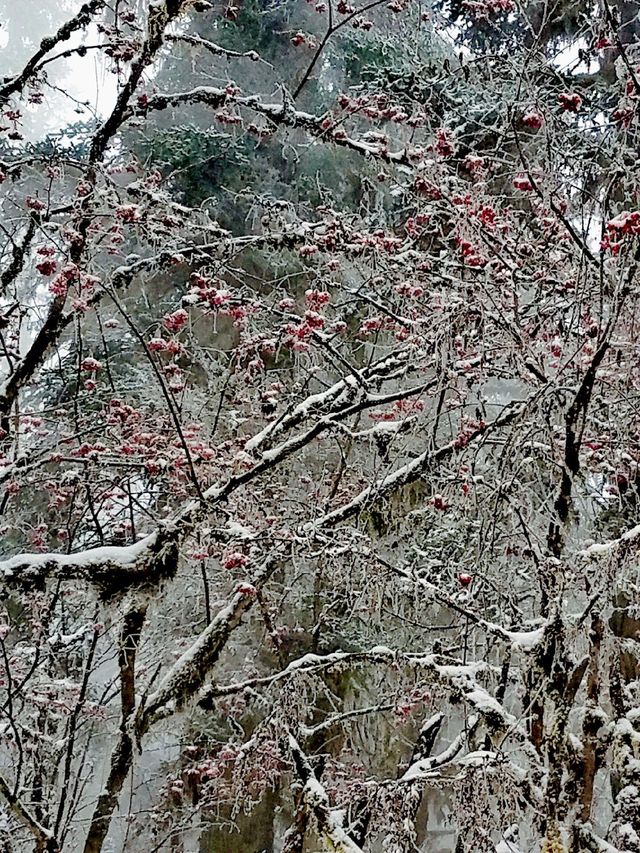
(112, 568)
(316, 799)
(604, 549)
(43, 836)
(213, 48)
(277, 114)
(408, 473)
(188, 674)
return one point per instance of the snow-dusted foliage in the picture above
(319, 438)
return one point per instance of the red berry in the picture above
(533, 119)
(46, 267)
(622, 482)
(570, 101)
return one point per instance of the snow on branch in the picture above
(459, 677)
(599, 549)
(593, 842)
(419, 770)
(325, 402)
(499, 722)
(309, 664)
(316, 799)
(408, 473)
(342, 717)
(283, 114)
(117, 567)
(111, 568)
(25, 368)
(624, 829)
(216, 49)
(189, 672)
(524, 641)
(42, 835)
